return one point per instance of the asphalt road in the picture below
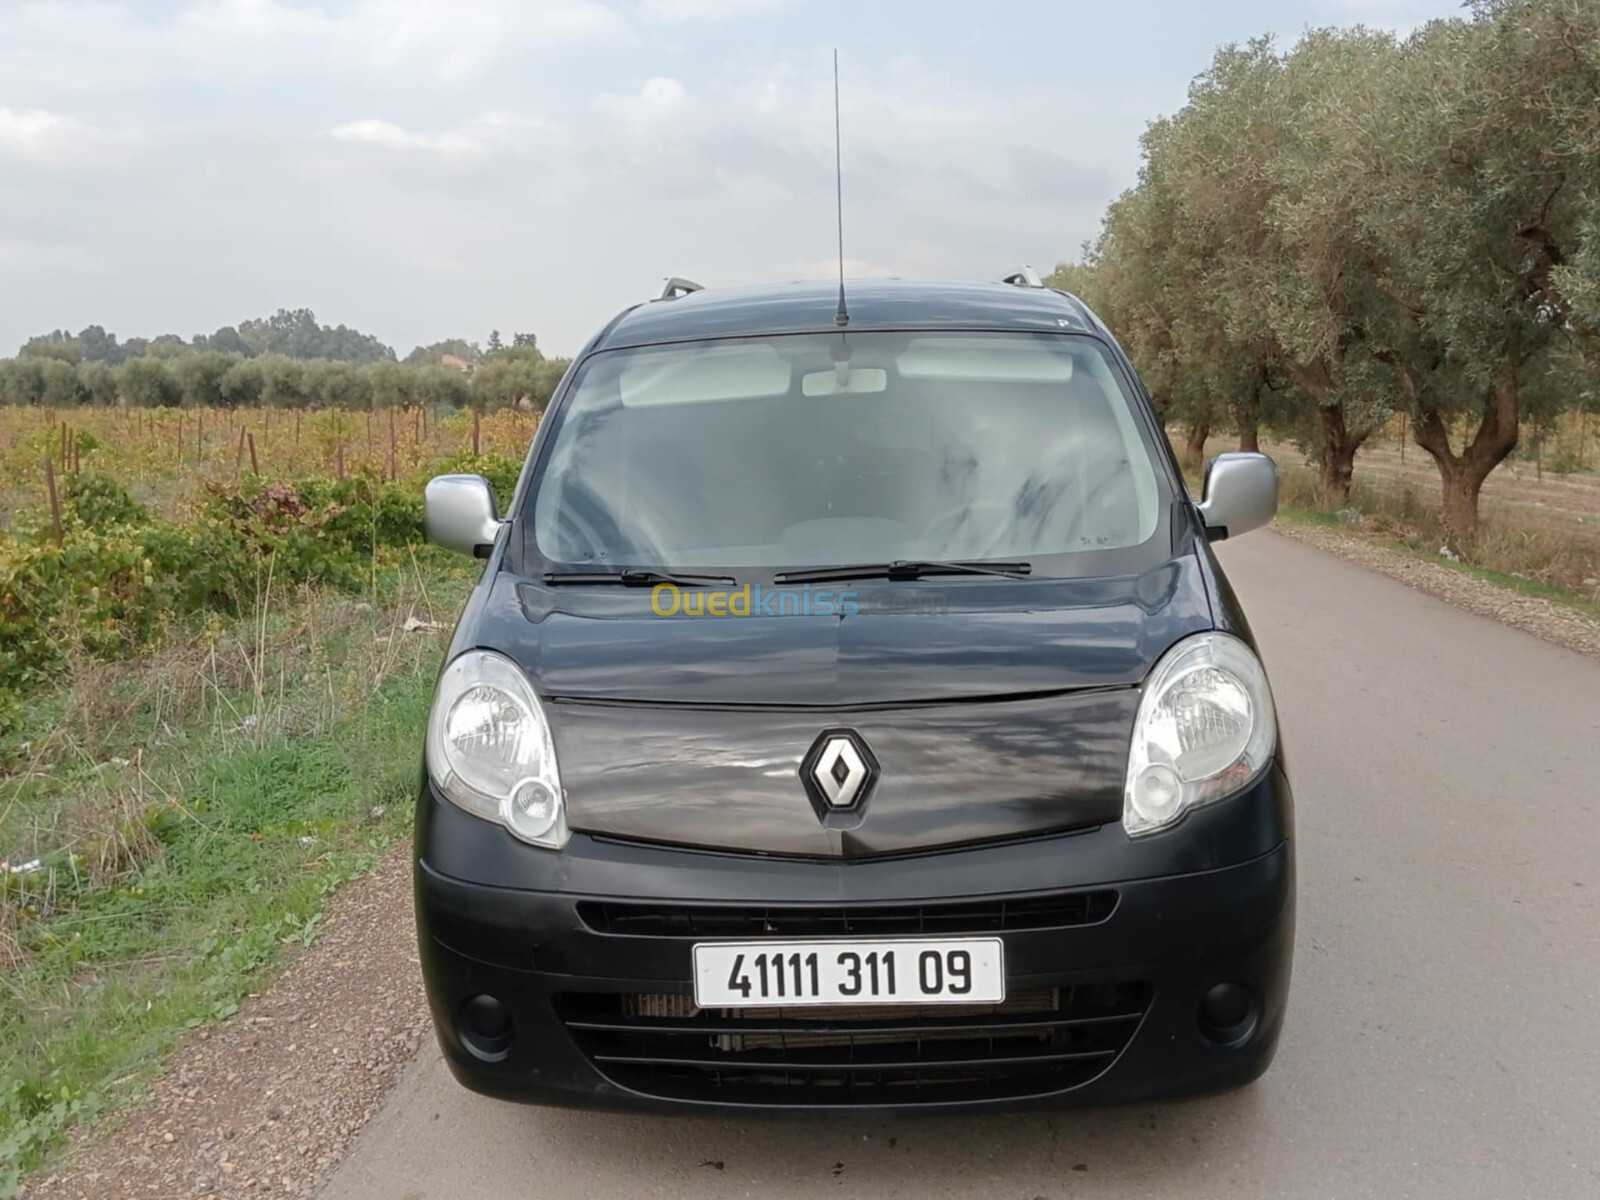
(1444, 1027)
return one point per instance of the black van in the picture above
(852, 716)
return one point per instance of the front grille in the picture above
(1058, 910)
(1039, 1040)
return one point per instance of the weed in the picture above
(189, 813)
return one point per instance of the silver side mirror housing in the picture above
(459, 514)
(1240, 494)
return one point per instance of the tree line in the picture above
(284, 361)
(293, 332)
(1363, 226)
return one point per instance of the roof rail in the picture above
(1025, 277)
(679, 287)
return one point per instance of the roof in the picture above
(873, 304)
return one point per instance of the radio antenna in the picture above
(842, 317)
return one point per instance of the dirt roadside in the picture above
(265, 1103)
(1544, 619)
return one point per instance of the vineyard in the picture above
(218, 631)
(118, 523)
(164, 456)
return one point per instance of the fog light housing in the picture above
(1228, 1014)
(485, 1028)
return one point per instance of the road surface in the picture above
(1443, 1037)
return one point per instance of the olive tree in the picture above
(98, 382)
(148, 383)
(1490, 145)
(243, 383)
(201, 376)
(1234, 268)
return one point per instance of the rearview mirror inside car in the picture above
(844, 381)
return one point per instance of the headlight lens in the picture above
(490, 751)
(1206, 728)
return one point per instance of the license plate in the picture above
(900, 971)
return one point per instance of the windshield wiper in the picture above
(632, 577)
(904, 568)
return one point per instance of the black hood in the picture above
(1005, 715)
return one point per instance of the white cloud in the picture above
(827, 268)
(678, 12)
(422, 169)
(256, 19)
(54, 138)
(657, 99)
(390, 136)
(101, 45)
(90, 45)
(494, 131)
(457, 37)
(1400, 17)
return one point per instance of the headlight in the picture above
(1206, 728)
(489, 748)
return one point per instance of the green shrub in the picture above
(122, 576)
(501, 470)
(99, 501)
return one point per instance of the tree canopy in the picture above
(294, 333)
(287, 360)
(62, 370)
(1361, 225)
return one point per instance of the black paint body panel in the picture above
(1008, 715)
(1208, 901)
(1000, 728)
(951, 773)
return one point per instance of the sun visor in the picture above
(987, 360)
(703, 375)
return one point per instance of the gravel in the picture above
(266, 1103)
(1544, 619)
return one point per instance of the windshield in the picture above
(817, 449)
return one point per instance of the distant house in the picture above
(460, 364)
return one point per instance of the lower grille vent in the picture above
(1059, 910)
(1038, 1041)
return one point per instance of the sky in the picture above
(423, 169)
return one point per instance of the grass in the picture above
(189, 814)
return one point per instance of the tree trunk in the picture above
(1336, 455)
(1336, 444)
(1461, 475)
(1194, 447)
(1459, 489)
(1247, 417)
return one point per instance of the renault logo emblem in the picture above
(838, 771)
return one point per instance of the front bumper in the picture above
(1115, 943)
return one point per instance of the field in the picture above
(218, 634)
(166, 456)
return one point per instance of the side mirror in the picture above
(1240, 494)
(459, 514)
